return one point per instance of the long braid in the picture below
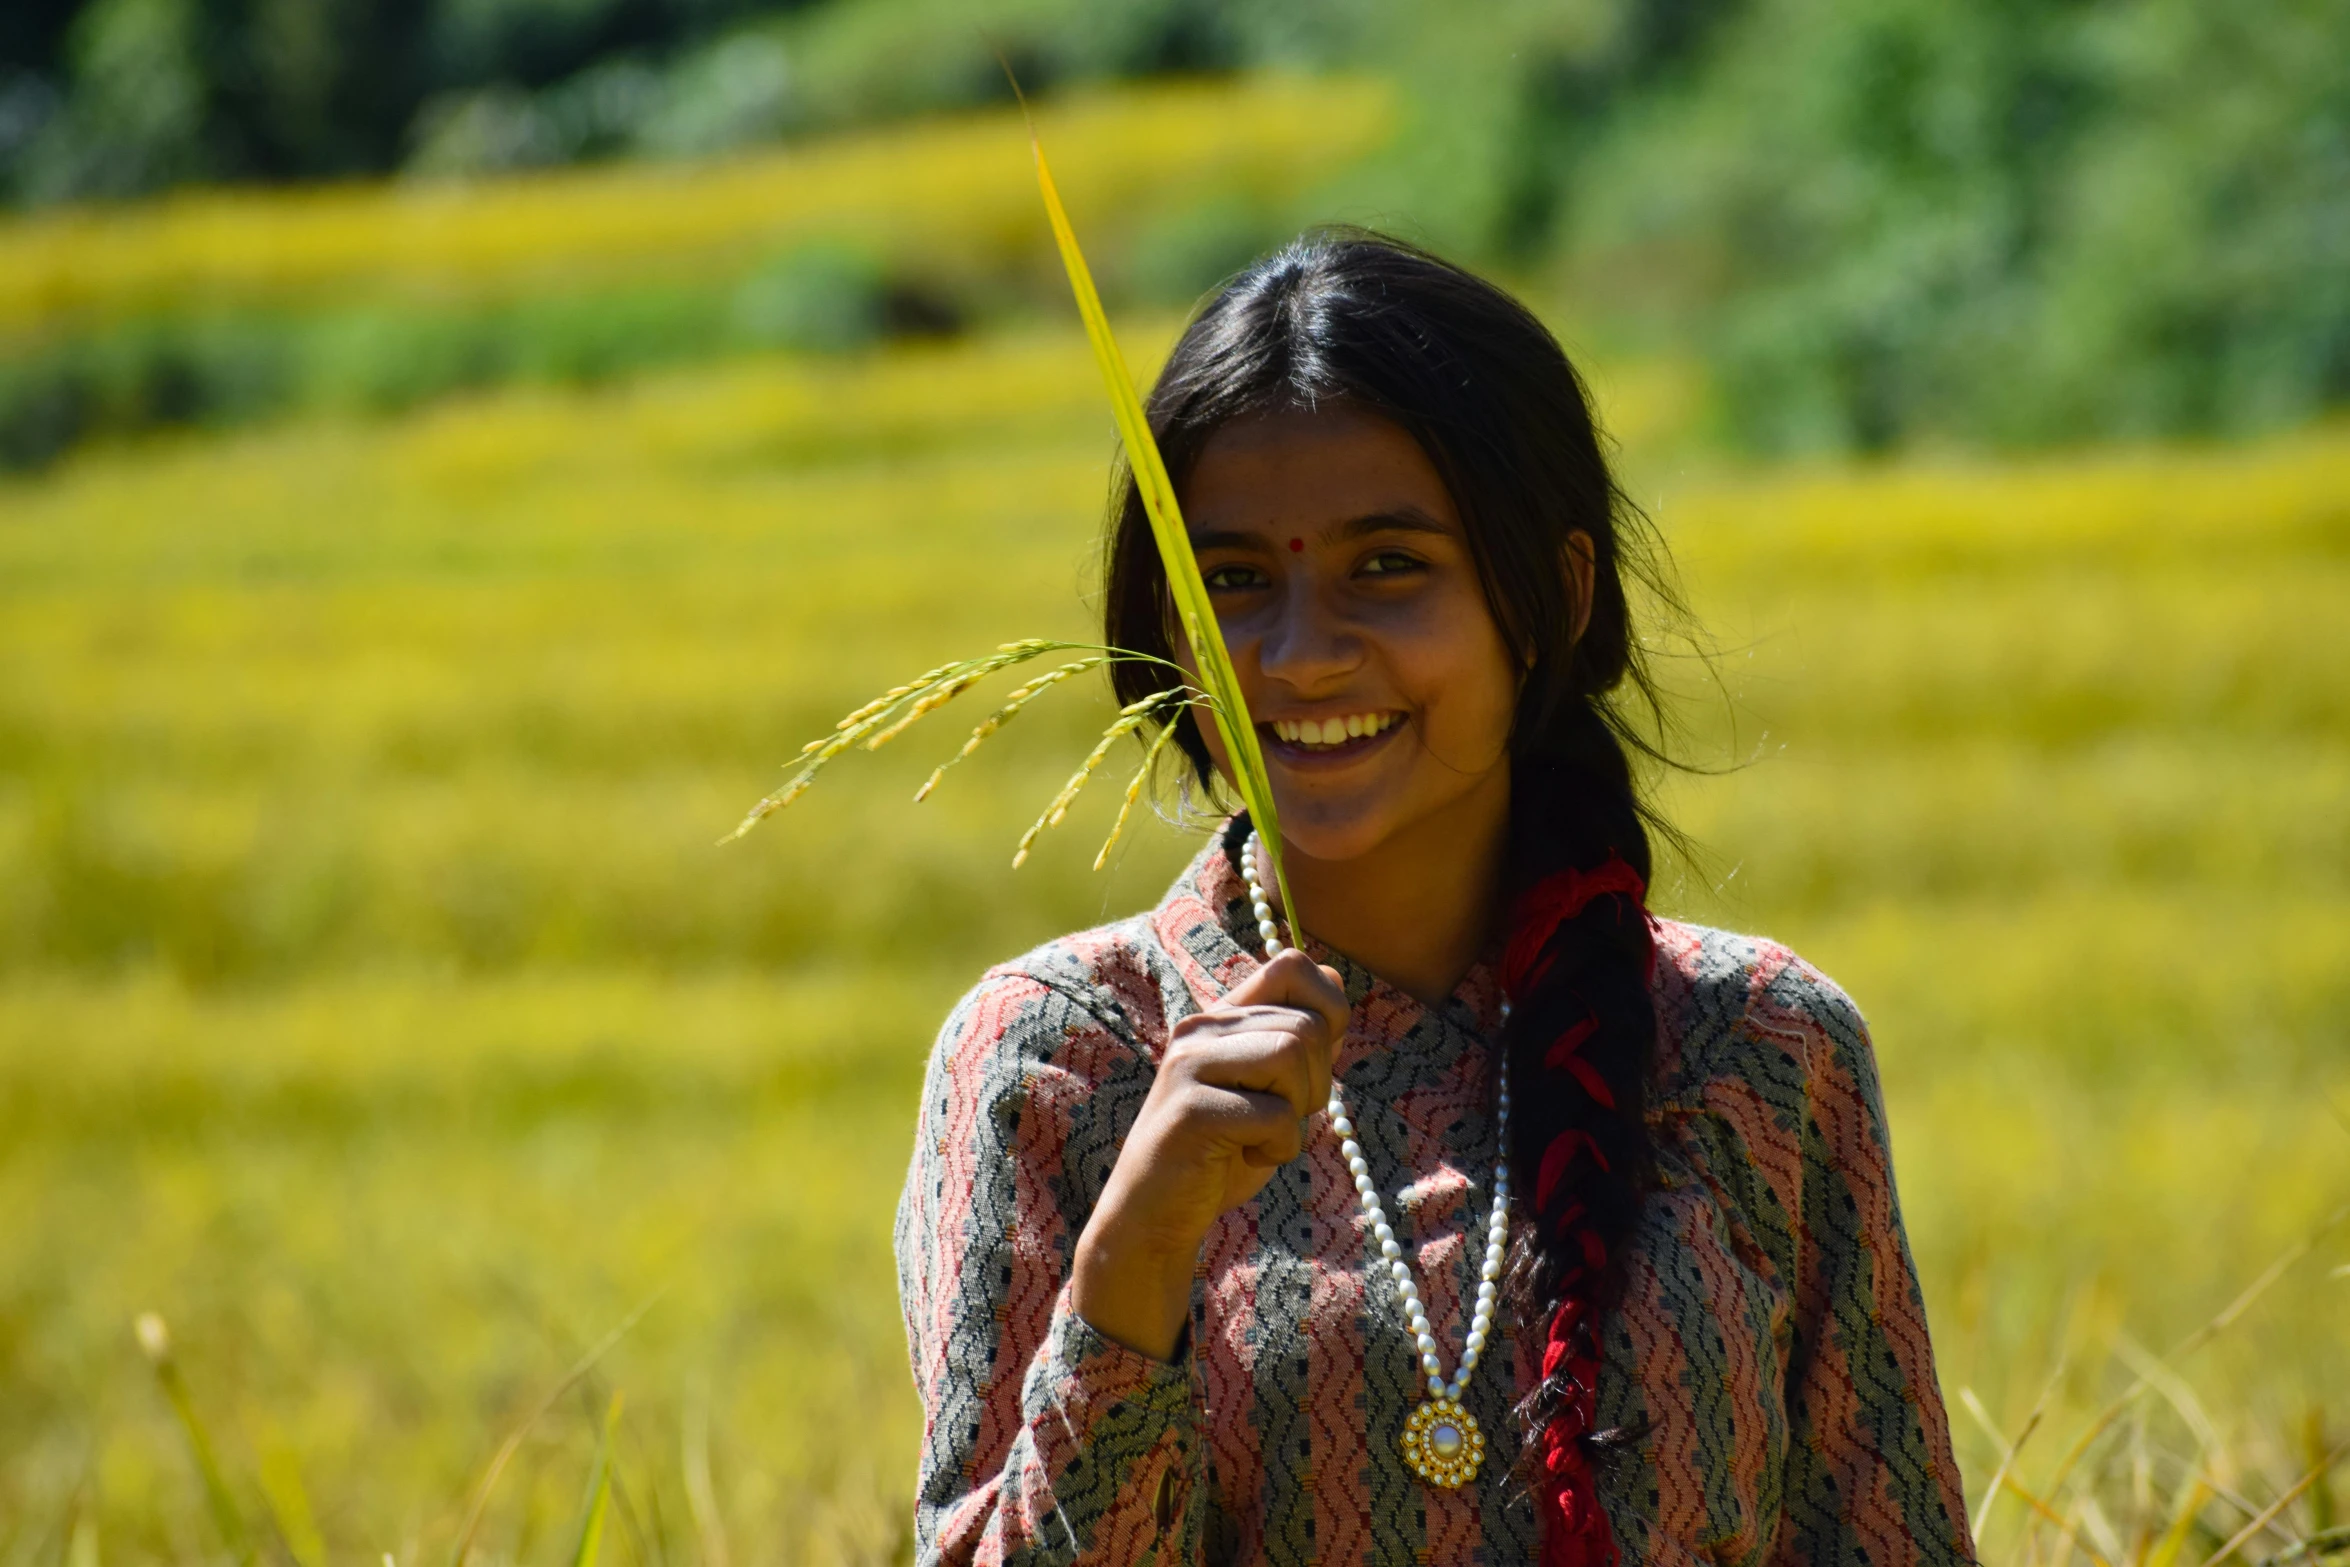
(1581, 1038)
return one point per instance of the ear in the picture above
(1582, 568)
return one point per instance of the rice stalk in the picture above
(1130, 718)
(1134, 788)
(887, 700)
(889, 715)
(1193, 608)
(1003, 715)
(929, 702)
(872, 726)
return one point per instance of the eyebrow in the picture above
(1403, 519)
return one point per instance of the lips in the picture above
(1321, 735)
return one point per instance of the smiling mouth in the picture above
(1331, 736)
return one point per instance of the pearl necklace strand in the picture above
(1441, 1441)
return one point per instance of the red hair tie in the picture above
(1550, 903)
(1554, 1161)
(1563, 1056)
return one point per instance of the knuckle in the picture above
(1190, 1047)
(1188, 1029)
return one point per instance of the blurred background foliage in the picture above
(1877, 221)
(455, 454)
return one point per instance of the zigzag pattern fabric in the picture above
(1769, 1360)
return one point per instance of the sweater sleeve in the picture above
(1042, 1441)
(1870, 1473)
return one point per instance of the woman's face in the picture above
(1381, 686)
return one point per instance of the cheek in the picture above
(1463, 677)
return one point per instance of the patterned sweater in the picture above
(1770, 1352)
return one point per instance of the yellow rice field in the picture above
(377, 1008)
(955, 195)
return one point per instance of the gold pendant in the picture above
(1442, 1443)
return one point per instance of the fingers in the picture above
(1266, 1128)
(1295, 980)
(1261, 1050)
(1248, 1072)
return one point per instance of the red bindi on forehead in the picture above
(1297, 544)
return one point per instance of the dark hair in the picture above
(1491, 398)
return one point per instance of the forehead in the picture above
(1309, 469)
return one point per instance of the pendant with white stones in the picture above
(1441, 1441)
(1442, 1444)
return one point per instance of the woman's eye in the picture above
(1226, 578)
(1389, 563)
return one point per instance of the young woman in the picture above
(1504, 1221)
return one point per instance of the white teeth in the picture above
(1332, 731)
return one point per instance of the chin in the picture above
(1333, 833)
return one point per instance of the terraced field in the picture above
(377, 1009)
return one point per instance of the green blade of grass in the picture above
(599, 1497)
(2182, 1523)
(1227, 706)
(155, 1339)
(280, 1473)
(513, 1443)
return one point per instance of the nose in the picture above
(1307, 645)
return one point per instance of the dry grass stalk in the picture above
(2268, 1514)
(2067, 1516)
(2009, 1450)
(2226, 1318)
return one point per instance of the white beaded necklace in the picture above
(1441, 1441)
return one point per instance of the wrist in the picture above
(1132, 1289)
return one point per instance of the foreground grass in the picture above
(377, 1009)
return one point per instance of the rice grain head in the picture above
(1130, 718)
(1004, 715)
(1150, 757)
(927, 693)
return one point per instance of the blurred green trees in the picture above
(2003, 221)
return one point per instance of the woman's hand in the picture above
(1224, 1112)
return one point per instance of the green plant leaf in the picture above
(1192, 607)
(591, 1523)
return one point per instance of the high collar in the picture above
(1206, 923)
